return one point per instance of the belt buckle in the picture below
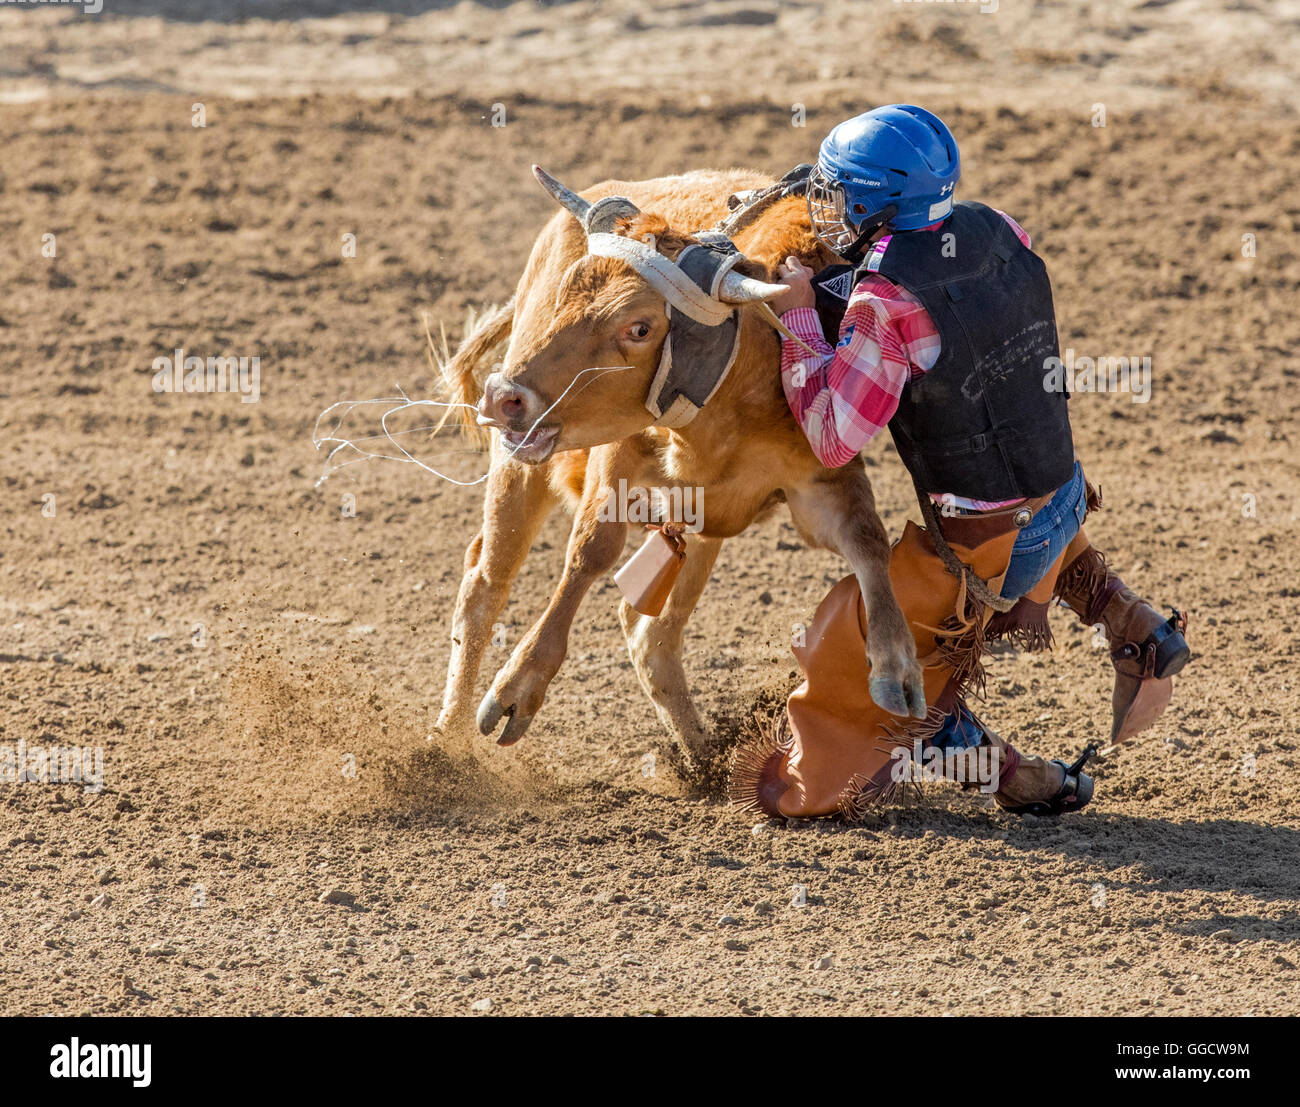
(1021, 518)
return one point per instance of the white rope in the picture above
(398, 403)
(401, 403)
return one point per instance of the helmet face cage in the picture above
(826, 212)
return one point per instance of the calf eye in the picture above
(638, 332)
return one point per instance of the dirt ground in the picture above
(260, 658)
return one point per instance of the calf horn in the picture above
(596, 218)
(566, 197)
(736, 289)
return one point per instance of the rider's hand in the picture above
(796, 277)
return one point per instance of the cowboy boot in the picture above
(1022, 783)
(1146, 648)
(1031, 785)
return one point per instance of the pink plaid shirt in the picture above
(844, 397)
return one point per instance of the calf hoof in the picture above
(899, 697)
(889, 694)
(490, 713)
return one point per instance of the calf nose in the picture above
(507, 401)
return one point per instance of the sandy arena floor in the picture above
(193, 604)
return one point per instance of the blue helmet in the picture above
(896, 165)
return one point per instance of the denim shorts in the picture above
(1044, 538)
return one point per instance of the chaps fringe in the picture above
(1025, 624)
(1092, 496)
(960, 644)
(862, 795)
(1082, 580)
(753, 758)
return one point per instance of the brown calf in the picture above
(571, 313)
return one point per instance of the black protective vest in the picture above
(980, 423)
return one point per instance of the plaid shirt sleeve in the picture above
(843, 397)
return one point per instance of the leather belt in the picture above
(974, 530)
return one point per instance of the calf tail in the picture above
(464, 371)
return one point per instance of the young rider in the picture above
(947, 338)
